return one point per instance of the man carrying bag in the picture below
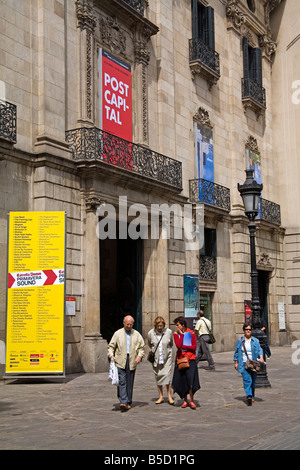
(204, 333)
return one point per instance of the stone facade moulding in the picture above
(246, 23)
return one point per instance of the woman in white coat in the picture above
(160, 340)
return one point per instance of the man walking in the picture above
(202, 329)
(126, 348)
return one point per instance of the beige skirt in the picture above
(163, 372)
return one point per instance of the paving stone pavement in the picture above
(81, 412)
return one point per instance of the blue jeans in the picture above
(249, 379)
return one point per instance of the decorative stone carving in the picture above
(264, 262)
(251, 144)
(85, 15)
(92, 203)
(87, 23)
(202, 117)
(235, 16)
(111, 35)
(268, 45)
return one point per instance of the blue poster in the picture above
(205, 155)
(253, 162)
(191, 295)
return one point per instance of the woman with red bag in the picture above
(185, 378)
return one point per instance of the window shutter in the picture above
(257, 65)
(195, 28)
(210, 28)
(246, 57)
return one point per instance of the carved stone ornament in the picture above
(251, 144)
(202, 117)
(269, 6)
(235, 16)
(264, 262)
(268, 45)
(92, 203)
(111, 35)
(85, 15)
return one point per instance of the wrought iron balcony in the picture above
(91, 143)
(138, 5)
(8, 121)
(206, 192)
(208, 268)
(204, 61)
(269, 212)
(253, 96)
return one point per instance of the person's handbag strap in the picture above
(243, 343)
(209, 329)
(158, 343)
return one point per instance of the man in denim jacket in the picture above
(254, 352)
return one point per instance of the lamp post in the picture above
(250, 192)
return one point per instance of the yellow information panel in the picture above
(35, 293)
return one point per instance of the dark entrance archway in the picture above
(121, 281)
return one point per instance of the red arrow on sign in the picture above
(51, 277)
(11, 280)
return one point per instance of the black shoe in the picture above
(249, 400)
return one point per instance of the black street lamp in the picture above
(250, 192)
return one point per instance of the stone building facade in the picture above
(203, 108)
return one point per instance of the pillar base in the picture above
(94, 354)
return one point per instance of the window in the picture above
(251, 5)
(204, 61)
(253, 93)
(210, 243)
(252, 62)
(203, 23)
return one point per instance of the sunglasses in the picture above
(248, 329)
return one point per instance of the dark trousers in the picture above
(204, 350)
(126, 380)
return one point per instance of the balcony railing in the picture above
(201, 51)
(269, 212)
(213, 194)
(138, 5)
(8, 121)
(253, 95)
(208, 268)
(96, 144)
(204, 61)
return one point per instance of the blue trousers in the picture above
(249, 379)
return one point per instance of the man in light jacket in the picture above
(127, 349)
(202, 329)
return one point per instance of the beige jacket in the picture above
(118, 348)
(167, 344)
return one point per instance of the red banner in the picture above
(116, 96)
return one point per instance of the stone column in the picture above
(142, 58)
(86, 20)
(162, 278)
(94, 347)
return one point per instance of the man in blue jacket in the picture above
(255, 352)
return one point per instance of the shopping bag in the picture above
(113, 374)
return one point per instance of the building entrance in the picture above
(120, 284)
